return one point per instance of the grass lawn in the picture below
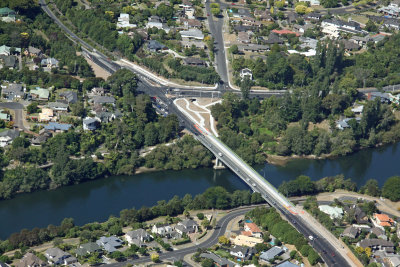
(266, 131)
(222, 253)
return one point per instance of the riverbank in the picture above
(278, 160)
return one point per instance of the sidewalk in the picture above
(336, 243)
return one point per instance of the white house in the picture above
(137, 237)
(333, 212)
(123, 22)
(246, 73)
(192, 34)
(162, 230)
(312, 2)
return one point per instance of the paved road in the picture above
(179, 254)
(18, 113)
(269, 193)
(216, 25)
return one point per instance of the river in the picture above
(97, 200)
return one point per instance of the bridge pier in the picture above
(218, 165)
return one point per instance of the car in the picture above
(233, 4)
(333, 254)
(253, 184)
(247, 179)
(220, 154)
(311, 237)
(208, 14)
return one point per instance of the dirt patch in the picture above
(98, 72)
(324, 125)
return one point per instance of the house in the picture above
(357, 109)
(58, 106)
(394, 261)
(313, 16)
(9, 62)
(71, 97)
(263, 15)
(307, 42)
(191, 23)
(187, 226)
(197, 44)
(379, 232)
(40, 93)
(34, 52)
(285, 32)
(58, 257)
(243, 37)
(242, 240)
(359, 214)
(104, 116)
(5, 50)
(46, 115)
(49, 63)
(192, 61)
(384, 97)
(333, 212)
(13, 91)
(303, 28)
(4, 116)
(137, 237)
(271, 253)
(243, 253)
(98, 91)
(253, 228)
(351, 232)
(5, 12)
(218, 261)
(192, 34)
(90, 124)
(382, 220)
(42, 138)
(390, 11)
(253, 48)
(286, 264)
(273, 38)
(343, 124)
(349, 45)
(102, 100)
(30, 260)
(88, 248)
(109, 244)
(57, 127)
(377, 245)
(155, 21)
(333, 27)
(123, 22)
(155, 46)
(162, 229)
(312, 2)
(7, 136)
(246, 73)
(360, 40)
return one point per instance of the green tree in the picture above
(32, 108)
(391, 188)
(245, 87)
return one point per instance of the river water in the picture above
(97, 200)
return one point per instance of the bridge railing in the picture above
(259, 175)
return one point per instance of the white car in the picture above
(311, 237)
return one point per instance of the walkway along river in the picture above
(97, 200)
